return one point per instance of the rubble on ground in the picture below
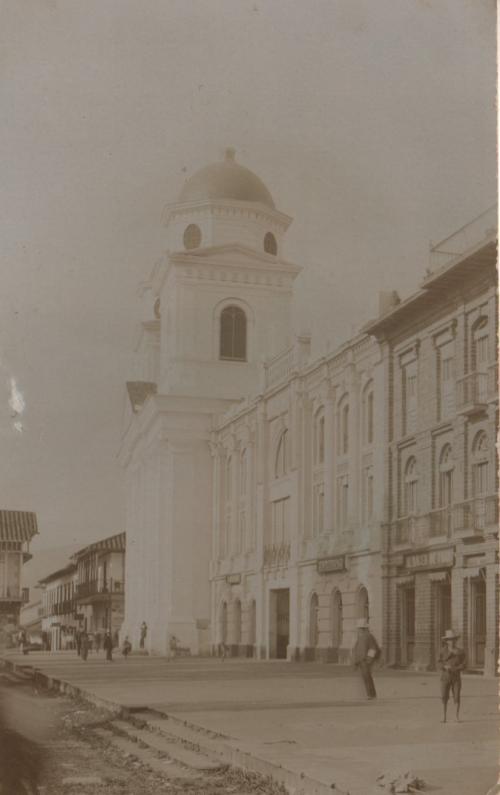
(398, 781)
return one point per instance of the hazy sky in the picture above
(372, 124)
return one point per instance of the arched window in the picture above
(337, 619)
(233, 334)
(363, 604)
(343, 428)
(313, 621)
(237, 622)
(445, 477)
(480, 465)
(319, 438)
(192, 236)
(281, 460)
(410, 487)
(243, 473)
(368, 414)
(270, 244)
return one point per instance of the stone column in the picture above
(329, 520)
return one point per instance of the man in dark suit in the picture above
(366, 651)
(451, 663)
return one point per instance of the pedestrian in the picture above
(78, 640)
(98, 642)
(144, 632)
(108, 646)
(451, 663)
(23, 642)
(126, 647)
(366, 651)
(84, 646)
(222, 650)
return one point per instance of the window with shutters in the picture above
(446, 381)
(368, 415)
(410, 486)
(368, 494)
(342, 501)
(279, 522)
(318, 507)
(445, 488)
(281, 459)
(480, 465)
(319, 438)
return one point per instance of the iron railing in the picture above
(276, 554)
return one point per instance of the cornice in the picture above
(226, 208)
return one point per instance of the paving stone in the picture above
(127, 746)
(192, 759)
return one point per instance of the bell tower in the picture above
(214, 308)
(225, 290)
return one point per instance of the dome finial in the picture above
(230, 154)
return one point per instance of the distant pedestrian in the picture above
(451, 663)
(98, 642)
(144, 632)
(366, 651)
(126, 647)
(78, 641)
(84, 646)
(23, 642)
(222, 651)
(108, 646)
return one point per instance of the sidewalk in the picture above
(308, 718)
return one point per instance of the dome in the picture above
(226, 180)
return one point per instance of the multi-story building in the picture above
(273, 500)
(100, 578)
(439, 354)
(298, 507)
(59, 619)
(30, 618)
(17, 528)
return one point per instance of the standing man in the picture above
(451, 663)
(144, 632)
(78, 639)
(366, 651)
(108, 646)
(84, 646)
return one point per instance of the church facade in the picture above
(260, 483)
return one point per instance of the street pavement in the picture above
(309, 718)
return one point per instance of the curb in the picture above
(295, 783)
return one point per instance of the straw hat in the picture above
(450, 635)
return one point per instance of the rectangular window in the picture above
(446, 381)
(368, 494)
(318, 508)
(480, 476)
(280, 529)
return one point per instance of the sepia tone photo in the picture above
(249, 397)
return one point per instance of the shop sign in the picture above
(331, 565)
(432, 559)
(233, 579)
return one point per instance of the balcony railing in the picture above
(469, 517)
(10, 593)
(476, 515)
(472, 392)
(276, 554)
(94, 588)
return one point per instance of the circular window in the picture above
(270, 244)
(192, 236)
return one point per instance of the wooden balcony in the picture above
(472, 393)
(95, 591)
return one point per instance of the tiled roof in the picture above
(112, 544)
(69, 569)
(17, 525)
(138, 391)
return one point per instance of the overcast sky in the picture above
(372, 124)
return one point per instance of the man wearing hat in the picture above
(366, 651)
(451, 662)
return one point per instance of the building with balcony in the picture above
(17, 528)
(439, 353)
(100, 585)
(30, 618)
(59, 609)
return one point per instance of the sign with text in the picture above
(432, 559)
(331, 565)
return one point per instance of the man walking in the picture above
(451, 663)
(366, 651)
(108, 646)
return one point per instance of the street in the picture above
(75, 758)
(302, 720)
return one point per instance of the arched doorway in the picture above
(237, 624)
(313, 621)
(337, 620)
(223, 623)
(363, 604)
(252, 623)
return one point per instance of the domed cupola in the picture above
(226, 180)
(226, 203)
